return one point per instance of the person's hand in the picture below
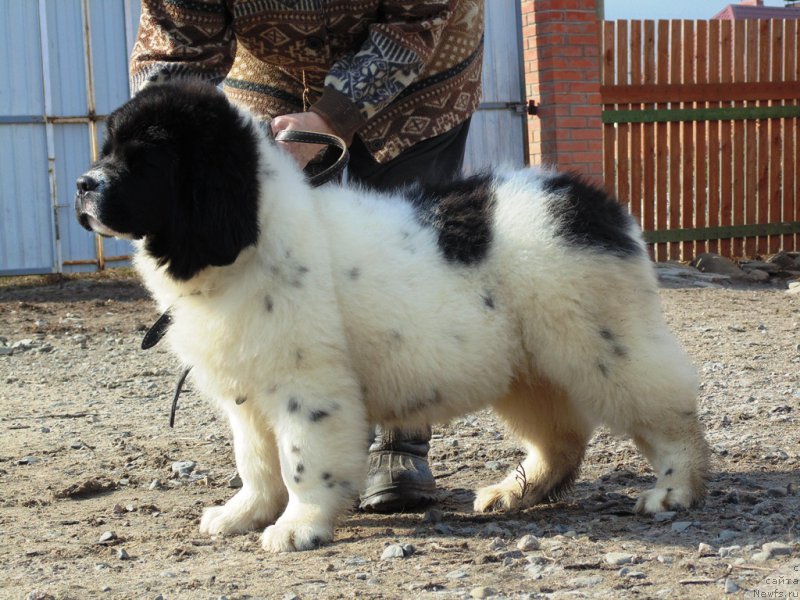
(307, 121)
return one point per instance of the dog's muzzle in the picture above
(87, 186)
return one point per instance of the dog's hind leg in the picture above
(678, 453)
(555, 435)
(321, 426)
(651, 395)
(263, 495)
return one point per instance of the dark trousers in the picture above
(433, 161)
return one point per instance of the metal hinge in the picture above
(520, 108)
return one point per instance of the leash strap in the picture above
(332, 141)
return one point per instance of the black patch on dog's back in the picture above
(461, 214)
(588, 217)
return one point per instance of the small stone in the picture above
(636, 575)
(665, 559)
(726, 535)
(291, 596)
(681, 526)
(497, 544)
(76, 445)
(39, 595)
(777, 549)
(482, 592)
(457, 574)
(667, 515)
(156, 485)
(27, 460)
(730, 586)
(409, 549)
(618, 558)
(727, 551)
(107, 537)
(704, 549)
(392, 551)
(528, 543)
(432, 515)
(235, 481)
(183, 468)
(122, 554)
(443, 528)
(760, 557)
(494, 465)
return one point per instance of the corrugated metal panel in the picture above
(25, 236)
(497, 131)
(48, 121)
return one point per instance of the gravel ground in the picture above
(101, 499)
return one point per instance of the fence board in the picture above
(623, 160)
(726, 186)
(636, 128)
(674, 142)
(791, 176)
(739, 132)
(762, 129)
(662, 152)
(775, 134)
(609, 130)
(701, 137)
(714, 149)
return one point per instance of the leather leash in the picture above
(321, 170)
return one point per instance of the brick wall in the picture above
(562, 73)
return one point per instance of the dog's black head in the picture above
(179, 168)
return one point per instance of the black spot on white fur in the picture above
(182, 173)
(293, 405)
(668, 472)
(354, 273)
(488, 300)
(268, 303)
(588, 217)
(241, 400)
(461, 214)
(318, 415)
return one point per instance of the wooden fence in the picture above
(700, 139)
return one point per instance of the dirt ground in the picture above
(93, 504)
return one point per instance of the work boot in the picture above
(399, 477)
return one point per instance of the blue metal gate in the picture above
(63, 68)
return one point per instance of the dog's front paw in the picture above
(240, 514)
(289, 535)
(662, 499)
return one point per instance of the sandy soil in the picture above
(85, 449)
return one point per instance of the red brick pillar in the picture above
(562, 73)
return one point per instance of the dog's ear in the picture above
(217, 212)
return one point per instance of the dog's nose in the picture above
(86, 184)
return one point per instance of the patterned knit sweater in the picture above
(393, 72)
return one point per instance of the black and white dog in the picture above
(308, 314)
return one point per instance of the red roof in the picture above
(742, 11)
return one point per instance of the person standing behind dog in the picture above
(397, 80)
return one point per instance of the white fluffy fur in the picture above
(346, 306)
